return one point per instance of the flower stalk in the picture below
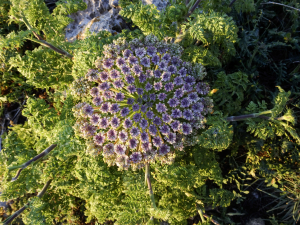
(147, 179)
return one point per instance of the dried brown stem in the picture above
(18, 213)
(23, 166)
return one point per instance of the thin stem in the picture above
(192, 9)
(17, 213)
(36, 158)
(201, 215)
(211, 220)
(42, 42)
(231, 3)
(275, 3)
(147, 178)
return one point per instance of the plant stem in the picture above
(24, 165)
(17, 213)
(147, 178)
(201, 215)
(42, 42)
(275, 3)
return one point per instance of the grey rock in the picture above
(160, 4)
(99, 15)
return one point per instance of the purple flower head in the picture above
(145, 62)
(149, 73)
(198, 107)
(193, 97)
(152, 130)
(135, 131)
(145, 97)
(108, 94)
(127, 53)
(133, 143)
(160, 107)
(144, 108)
(108, 149)
(176, 113)
(178, 81)
(88, 130)
(152, 96)
(120, 62)
(166, 57)
(104, 76)
(92, 75)
(136, 117)
(144, 137)
(94, 92)
(108, 63)
(127, 123)
(187, 88)
(186, 129)
(146, 146)
(95, 119)
(142, 78)
(97, 101)
(182, 72)
(143, 124)
(115, 122)
(120, 149)
(131, 89)
(163, 150)
(157, 142)
(178, 93)
(104, 86)
(185, 103)
(148, 87)
(120, 96)
(137, 70)
(150, 114)
(99, 139)
(165, 129)
(187, 114)
(140, 52)
(171, 138)
(166, 118)
(175, 125)
(175, 61)
(190, 80)
(166, 76)
(118, 84)
(140, 91)
(157, 73)
(105, 107)
(125, 69)
(123, 135)
(155, 60)
(104, 123)
(151, 51)
(133, 60)
(114, 74)
(129, 79)
(161, 96)
(149, 104)
(162, 50)
(136, 157)
(173, 102)
(125, 111)
(112, 135)
(135, 107)
(130, 101)
(157, 121)
(87, 110)
(157, 86)
(163, 65)
(169, 86)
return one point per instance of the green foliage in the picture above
(248, 49)
(230, 91)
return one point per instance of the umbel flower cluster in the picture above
(143, 103)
